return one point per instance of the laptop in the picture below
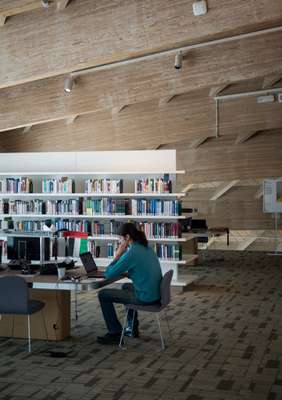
(90, 266)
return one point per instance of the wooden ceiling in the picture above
(133, 97)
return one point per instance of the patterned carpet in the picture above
(226, 344)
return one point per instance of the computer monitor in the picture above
(27, 248)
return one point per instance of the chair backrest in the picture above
(14, 295)
(165, 288)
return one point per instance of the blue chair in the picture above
(14, 300)
(154, 308)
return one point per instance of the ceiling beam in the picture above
(216, 90)
(195, 144)
(26, 129)
(167, 99)
(99, 91)
(62, 4)
(2, 20)
(188, 187)
(224, 188)
(117, 110)
(271, 80)
(243, 137)
(259, 193)
(70, 120)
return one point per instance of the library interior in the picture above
(140, 200)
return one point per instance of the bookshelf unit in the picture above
(87, 209)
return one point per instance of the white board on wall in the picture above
(142, 161)
(272, 196)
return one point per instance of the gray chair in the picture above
(155, 308)
(14, 300)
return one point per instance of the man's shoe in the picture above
(131, 333)
(109, 338)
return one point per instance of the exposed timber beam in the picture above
(2, 20)
(216, 90)
(70, 120)
(223, 189)
(195, 144)
(91, 96)
(118, 109)
(188, 187)
(243, 137)
(168, 99)
(26, 129)
(271, 80)
(259, 193)
(62, 4)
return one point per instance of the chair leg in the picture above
(167, 322)
(44, 323)
(123, 328)
(28, 332)
(159, 325)
(13, 326)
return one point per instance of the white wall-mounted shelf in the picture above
(150, 239)
(96, 217)
(95, 195)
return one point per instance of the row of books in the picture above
(105, 206)
(102, 206)
(16, 185)
(103, 186)
(160, 229)
(155, 207)
(70, 206)
(22, 207)
(153, 185)
(168, 251)
(58, 185)
(106, 250)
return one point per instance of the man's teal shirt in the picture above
(143, 267)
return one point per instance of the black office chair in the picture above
(14, 300)
(154, 308)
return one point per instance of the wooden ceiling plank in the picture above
(99, 90)
(243, 137)
(81, 47)
(224, 188)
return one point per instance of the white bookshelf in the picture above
(80, 166)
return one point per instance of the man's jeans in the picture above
(125, 295)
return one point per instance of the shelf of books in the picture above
(97, 205)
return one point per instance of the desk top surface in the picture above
(52, 282)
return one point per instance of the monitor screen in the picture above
(26, 248)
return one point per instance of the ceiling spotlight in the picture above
(178, 60)
(68, 84)
(45, 3)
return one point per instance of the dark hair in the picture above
(137, 236)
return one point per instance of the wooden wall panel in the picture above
(237, 209)
(220, 160)
(44, 43)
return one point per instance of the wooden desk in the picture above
(57, 298)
